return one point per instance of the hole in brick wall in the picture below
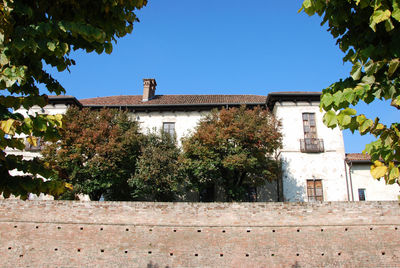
(171, 254)
(273, 231)
(199, 231)
(298, 230)
(247, 255)
(9, 248)
(322, 254)
(383, 253)
(370, 229)
(339, 253)
(346, 229)
(81, 228)
(101, 229)
(126, 252)
(58, 227)
(248, 231)
(101, 250)
(55, 249)
(272, 254)
(174, 231)
(37, 227)
(15, 226)
(127, 229)
(223, 231)
(297, 254)
(322, 230)
(395, 228)
(196, 254)
(149, 252)
(21, 256)
(79, 250)
(221, 255)
(150, 230)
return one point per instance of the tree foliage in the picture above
(97, 152)
(34, 33)
(368, 32)
(233, 149)
(157, 176)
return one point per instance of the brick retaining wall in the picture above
(139, 234)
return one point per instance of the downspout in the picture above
(347, 181)
(351, 182)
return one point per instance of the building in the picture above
(314, 167)
(362, 187)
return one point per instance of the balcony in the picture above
(312, 145)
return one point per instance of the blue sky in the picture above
(219, 47)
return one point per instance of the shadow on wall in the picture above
(293, 191)
(154, 265)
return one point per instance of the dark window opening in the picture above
(361, 194)
(207, 194)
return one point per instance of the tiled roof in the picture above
(136, 100)
(357, 157)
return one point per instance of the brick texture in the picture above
(122, 234)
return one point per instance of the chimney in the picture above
(149, 88)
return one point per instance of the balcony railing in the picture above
(312, 145)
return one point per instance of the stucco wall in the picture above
(299, 167)
(184, 121)
(375, 190)
(122, 234)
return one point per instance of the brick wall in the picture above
(122, 234)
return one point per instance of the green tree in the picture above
(32, 34)
(232, 149)
(368, 32)
(97, 152)
(157, 176)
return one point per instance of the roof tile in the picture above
(136, 100)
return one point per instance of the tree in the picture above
(157, 176)
(97, 152)
(368, 32)
(34, 33)
(232, 149)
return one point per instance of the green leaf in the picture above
(51, 46)
(356, 71)
(330, 119)
(380, 15)
(389, 25)
(396, 11)
(393, 66)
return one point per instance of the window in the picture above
(309, 126)
(361, 194)
(310, 143)
(169, 128)
(314, 190)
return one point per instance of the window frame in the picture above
(312, 194)
(170, 131)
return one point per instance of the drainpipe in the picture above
(351, 182)
(347, 181)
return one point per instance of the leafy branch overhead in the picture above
(38, 33)
(368, 32)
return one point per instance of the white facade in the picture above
(184, 122)
(298, 167)
(362, 183)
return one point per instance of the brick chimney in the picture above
(149, 88)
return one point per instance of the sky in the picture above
(220, 47)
